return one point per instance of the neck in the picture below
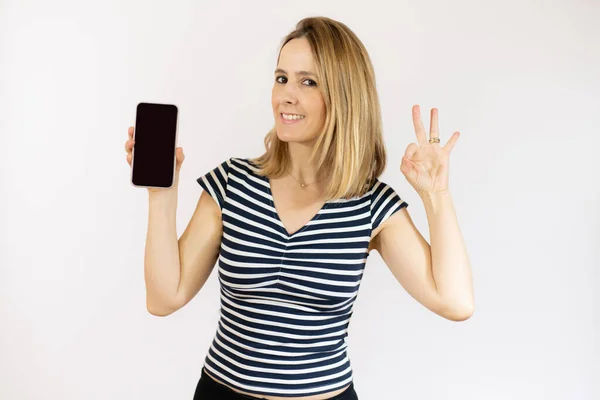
(300, 167)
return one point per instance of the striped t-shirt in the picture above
(286, 300)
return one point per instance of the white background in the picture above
(518, 79)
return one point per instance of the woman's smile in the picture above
(291, 118)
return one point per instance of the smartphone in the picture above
(155, 135)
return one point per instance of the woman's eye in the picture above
(283, 79)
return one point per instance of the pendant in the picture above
(302, 184)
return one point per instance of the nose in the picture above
(288, 100)
(287, 95)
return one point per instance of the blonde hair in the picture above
(350, 152)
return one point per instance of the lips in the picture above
(291, 121)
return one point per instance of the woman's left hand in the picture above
(425, 165)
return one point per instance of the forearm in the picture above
(161, 259)
(450, 262)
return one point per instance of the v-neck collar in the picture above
(276, 213)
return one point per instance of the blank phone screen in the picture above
(155, 140)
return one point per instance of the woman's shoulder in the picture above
(243, 161)
(244, 165)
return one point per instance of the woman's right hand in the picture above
(130, 143)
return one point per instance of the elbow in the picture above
(159, 309)
(461, 313)
(159, 312)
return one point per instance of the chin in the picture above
(286, 136)
(306, 139)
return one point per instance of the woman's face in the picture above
(298, 105)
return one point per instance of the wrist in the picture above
(165, 196)
(435, 202)
(434, 195)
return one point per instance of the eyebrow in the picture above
(305, 73)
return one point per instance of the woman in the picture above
(292, 229)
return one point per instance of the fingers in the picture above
(406, 165)
(418, 124)
(128, 149)
(452, 141)
(129, 145)
(434, 130)
(411, 149)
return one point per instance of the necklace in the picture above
(302, 184)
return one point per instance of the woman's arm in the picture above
(175, 270)
(438, 276)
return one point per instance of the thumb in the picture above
(406, 165)
(180, 157)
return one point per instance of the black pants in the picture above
(209, 389)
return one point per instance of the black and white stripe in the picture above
(286, 300)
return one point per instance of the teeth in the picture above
(292, 116)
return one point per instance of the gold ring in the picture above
(434, 140)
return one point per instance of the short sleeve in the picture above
(214, 182)
(384, 203)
